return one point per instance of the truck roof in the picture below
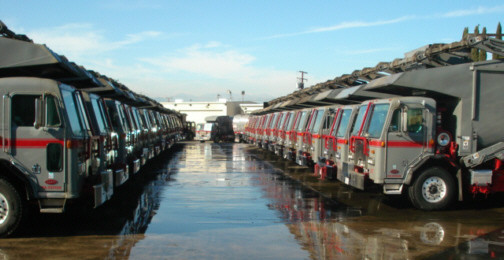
(455, 81)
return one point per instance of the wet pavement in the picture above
(234, 201)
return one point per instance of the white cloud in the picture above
(344, 25)
(222, 68)
(359, 24)
(82, 40)
(356, 24)
(478, 11)
(202, 61)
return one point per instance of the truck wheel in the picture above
(434, 189)
(12, 208)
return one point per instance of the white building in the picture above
(198, 111)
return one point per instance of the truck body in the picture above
(68, 134)
(45, 149)
(300, 131)
(285, 127)
(223, 129)
(438, 141)
(239, 123)
(274, 131)
(313, 141)
(204, 132)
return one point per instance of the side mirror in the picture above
(38, 113)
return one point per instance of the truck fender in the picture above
(17, 178)
(429, 161)
(413, 168)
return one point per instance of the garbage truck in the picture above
(440, 140)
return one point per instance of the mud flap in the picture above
(100, 195)
(331, 172)
(104, 190)
(356, 180)
(135, 167)
(121, 176)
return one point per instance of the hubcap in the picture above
(4, 209)
(434, 189)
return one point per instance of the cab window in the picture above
(415, 120)
(52, 115)
(23, 110)
(395, 123)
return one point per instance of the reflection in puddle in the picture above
(222, 201)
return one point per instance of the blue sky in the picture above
(201, 49)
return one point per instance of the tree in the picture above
(475, 51)
(483, 53)
(498, 35)
(465, 33)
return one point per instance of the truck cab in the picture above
(45, 149)
(313, 141)
(274, 135)
(300, 130)
(284, 127)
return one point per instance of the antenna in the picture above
(300, 84)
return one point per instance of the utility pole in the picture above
(230, 96)
(302, 80)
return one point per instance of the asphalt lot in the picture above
(235, 201)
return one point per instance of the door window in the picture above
(23, 110)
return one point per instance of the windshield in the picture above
(318, 120)
(272, 121)
(377, 120)
(292, 118)
(358, 121)
(285, 121)
(281, 121)
(199, 127)
(302, 121)
(99, 115)
(73, 113)
(122, 117)
(82, 110)
(263, 122)
(208, 127)
(343, 123)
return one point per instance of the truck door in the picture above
(406, 140)
(38, 148)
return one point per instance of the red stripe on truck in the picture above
(32, 143)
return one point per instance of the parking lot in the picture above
(233, 201)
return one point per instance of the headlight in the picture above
(370, 161)
(443, 139)
(338, 155)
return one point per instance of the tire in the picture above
(434, 189)
(12, 208)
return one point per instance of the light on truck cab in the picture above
(443, 139)
(371, 161)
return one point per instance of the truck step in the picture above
(52, 210)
